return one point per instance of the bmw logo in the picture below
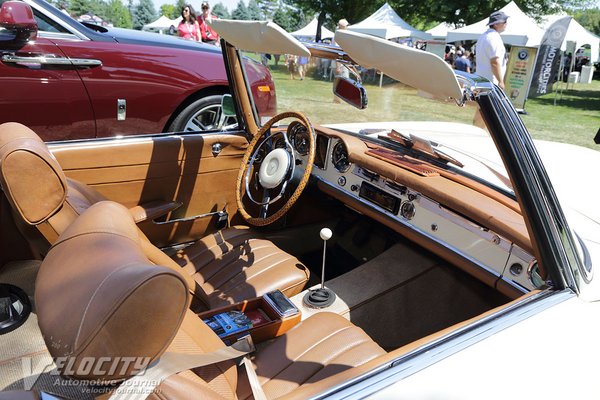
(523, 54)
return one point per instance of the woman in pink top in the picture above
(188, 27)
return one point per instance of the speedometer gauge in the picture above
(339, 157)
(299, 138)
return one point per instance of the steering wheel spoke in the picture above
(275, 171)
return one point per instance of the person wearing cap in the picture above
(206, 31)
(490, 52)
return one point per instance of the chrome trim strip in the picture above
(445, 346)
(42, 60)
(385, 213)
(187, 219)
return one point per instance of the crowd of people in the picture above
(196, 27)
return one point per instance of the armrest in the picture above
(153, 210)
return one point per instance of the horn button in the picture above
(274, 168)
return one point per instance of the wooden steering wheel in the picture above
(275, 171)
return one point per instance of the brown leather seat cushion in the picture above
(319, 347)
(235, 264)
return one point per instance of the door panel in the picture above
(135, 171)
(49, 99)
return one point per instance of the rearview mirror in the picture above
(17, 17)
(351, 92)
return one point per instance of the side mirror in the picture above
(227, 106)
(17, 17)
(351, 92)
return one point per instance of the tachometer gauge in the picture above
(299, 138)
(339, 157)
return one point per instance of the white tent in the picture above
(309, 32)
(520, 30)
(578, 34)
(385, 23)
(161, 24)
(439, 32)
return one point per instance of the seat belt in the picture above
(139, 387)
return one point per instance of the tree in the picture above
(168, 10)
(254, 11)
(221, 11)
(282, 18)
(240, 12)
(179, 6)
(589, 19)
(466, 12)
(331, 11)
(118, 14)
(79, 7)
(144, 14)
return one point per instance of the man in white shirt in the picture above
(490, 51)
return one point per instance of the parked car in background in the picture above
(68, 80)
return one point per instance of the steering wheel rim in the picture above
(259, 221)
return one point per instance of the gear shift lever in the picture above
(321, 297)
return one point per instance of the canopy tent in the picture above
(578, 34)
(309, 32)
(386, 24)
(161, 24)
(439, 32)
(520, 30)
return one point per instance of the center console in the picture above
(263, 318)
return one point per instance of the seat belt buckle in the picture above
(222, 219)
(244, 343)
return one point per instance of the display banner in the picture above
(518, 74)
(548, 57)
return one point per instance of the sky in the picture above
(229, 4)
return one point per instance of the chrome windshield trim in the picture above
(430, 353)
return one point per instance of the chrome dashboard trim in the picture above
(394, 218)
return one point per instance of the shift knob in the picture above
(326, 233)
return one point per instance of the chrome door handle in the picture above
(216, 149)
(50, 60)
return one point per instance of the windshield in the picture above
(305, 84)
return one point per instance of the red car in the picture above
(68, 80)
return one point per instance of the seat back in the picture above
(98, 296)
(36, 187)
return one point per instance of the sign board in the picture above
(548, 57)
(437, 47)
(518, 74)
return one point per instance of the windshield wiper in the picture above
(421, 145)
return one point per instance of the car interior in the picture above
(128, 247)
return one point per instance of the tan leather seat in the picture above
(119, 304)
(228, 266)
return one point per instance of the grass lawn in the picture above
(575, 118)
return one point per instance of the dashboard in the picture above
(403, 207)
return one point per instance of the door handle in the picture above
(51, 60)
(216, 149)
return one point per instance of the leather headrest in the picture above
(31, 178)
(104, 310)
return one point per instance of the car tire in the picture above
(201, 115)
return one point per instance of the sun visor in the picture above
(259, 37)
(417, 68)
